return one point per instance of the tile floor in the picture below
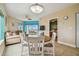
(13, 50)
(61, 50)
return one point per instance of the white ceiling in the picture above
(20, 10)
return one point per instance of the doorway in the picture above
(53, 26)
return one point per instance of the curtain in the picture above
(1, 27)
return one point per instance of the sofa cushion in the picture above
(9, 37)
(13, 40)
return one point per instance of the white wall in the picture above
(66, 28)
(12, 23)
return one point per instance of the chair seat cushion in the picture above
(48, 45)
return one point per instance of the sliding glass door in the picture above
(32, 29)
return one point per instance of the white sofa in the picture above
(12, 39)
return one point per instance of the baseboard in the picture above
(66, 44)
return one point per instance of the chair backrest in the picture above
(35, 45)
(53, 37)
(22, 36)
(53, 42)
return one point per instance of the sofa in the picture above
(12, 37)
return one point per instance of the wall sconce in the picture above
(65, 17)
(12, 24)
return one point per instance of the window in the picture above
(20, 27)
(1, 27)
(32, 29)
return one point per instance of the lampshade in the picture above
(36, 8)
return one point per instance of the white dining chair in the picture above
(53, 42)
(36, 45)
(49, 47)
(24, 44)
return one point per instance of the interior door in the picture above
(77, 41)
